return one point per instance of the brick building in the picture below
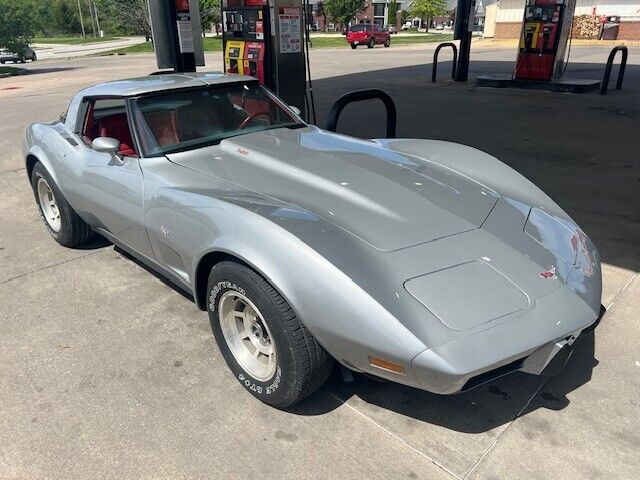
(507, 20)
(377, 11)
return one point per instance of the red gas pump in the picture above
(254, 60)
(543, 40)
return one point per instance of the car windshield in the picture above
(359, 28)
(194, 118)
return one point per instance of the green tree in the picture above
(342, 11)
(393, 13)
(134, 16)
(427, 9)
(63, 17)
(321, 12)
(209, 13)
(18, 24)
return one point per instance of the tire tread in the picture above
(313, 363)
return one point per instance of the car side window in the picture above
(107, 117)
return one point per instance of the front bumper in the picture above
(529, 343)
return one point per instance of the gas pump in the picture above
(234, 57)
(545, 31)
(268, 40)
(254, 60)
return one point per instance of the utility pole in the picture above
(95, 9)
(93, 22)
(81, 21)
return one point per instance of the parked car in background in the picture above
(393, 30)
(27, 54)
(439, 26)
(369, 35)
(407, 25)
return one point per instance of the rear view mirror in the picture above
(106, 145)
(296, 110)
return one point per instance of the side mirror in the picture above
(106, 145)
(296, 110)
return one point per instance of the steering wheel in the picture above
(250, 118)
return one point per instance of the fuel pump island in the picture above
(543, 50)
(263, 39)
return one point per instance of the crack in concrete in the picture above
(26, 274)
(633, 277)
(400, 439)
(495, 442)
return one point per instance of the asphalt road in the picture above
(109, 373)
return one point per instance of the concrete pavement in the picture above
(109, 373)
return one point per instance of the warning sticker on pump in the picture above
(185, 34)
(290, 32)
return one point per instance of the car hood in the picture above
(389, 200)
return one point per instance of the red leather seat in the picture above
(163, 125)
(116, 126)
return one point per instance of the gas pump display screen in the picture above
(254, 27)
(234, 52)
(233, 24)
(550, 13)
(254, 54)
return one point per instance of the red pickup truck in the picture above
(369, 35)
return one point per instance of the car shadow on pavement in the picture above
(476, 411)
(97, 241)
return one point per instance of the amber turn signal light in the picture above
(386, 365)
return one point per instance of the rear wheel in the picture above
(268, 349)
(353, 46)
(23, 60)
(372, 43)
(62, 222)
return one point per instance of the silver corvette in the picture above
(424, 262)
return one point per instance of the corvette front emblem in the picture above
(551, 273)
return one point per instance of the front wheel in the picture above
(354, 46)
(62, 222)
(387, 42)
(371, 44)
(267, 348)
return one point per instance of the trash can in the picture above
(610, 28)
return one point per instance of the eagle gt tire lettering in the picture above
(265, 345)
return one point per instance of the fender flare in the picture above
(37, 154)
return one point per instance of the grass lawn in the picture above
(73, 40)
(4, 69)
(214, 44)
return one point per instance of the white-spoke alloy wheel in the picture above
(265, 345)
(48, 204)
(247, 335)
